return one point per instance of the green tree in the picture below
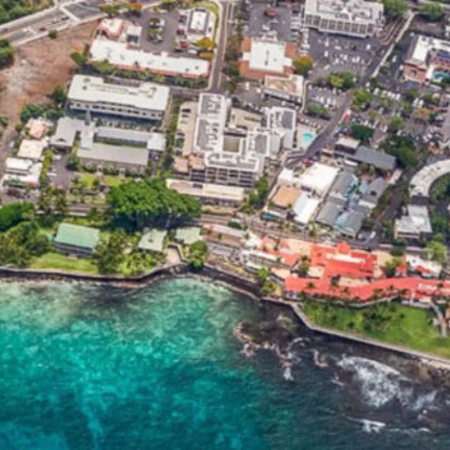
(432, 12)
(31, 110)
(58, 96)
(136, 204)
(361, 132)
(6, 52)
(317, 110)
(361, 99)
(198, 252)
(14, 213)
(21, 243)
(109, 253)
(205, 44)
(302, 64)
(258, 197)
(395, 8)
(396, 124)
(111, 9)
(341, 80)
(403, 148)
(53, 34)
(437, 251)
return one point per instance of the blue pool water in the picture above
(307, 138)
(160, 368)
(439, 76)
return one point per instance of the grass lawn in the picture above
(110, 180)
(62, 262)
(393, 323)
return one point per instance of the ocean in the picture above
(85, 367)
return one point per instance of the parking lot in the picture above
(331, 98)
(333, 53)
(86, 9)
(263, 19)
(168, 30)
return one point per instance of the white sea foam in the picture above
(287, 373)
(319, 361)
(371, 426)
(379, 383)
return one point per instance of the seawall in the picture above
(233, 281)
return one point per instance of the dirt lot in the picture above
(38, 68)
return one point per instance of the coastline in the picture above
(233, 282)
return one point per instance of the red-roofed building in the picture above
(342, 261)
(415, 288)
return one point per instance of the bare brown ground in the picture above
(39, 67)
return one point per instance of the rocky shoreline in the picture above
(427, 369)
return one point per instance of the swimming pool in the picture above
(307, 138)
(439, 76)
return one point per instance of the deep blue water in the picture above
(85, 367)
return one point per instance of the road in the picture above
(65, 14)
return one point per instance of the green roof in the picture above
(153, 240)
(77, 236)
(188, 235)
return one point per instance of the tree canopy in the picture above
(14, 213)
(303, 64)
(21, 243)
(6, 53)
(198, 252)
(403, 148)
(395, 8)
(361, 99)
(432, 12)
(137, 204)
(361, 132)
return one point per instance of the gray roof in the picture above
(349, 223)
(115, 154)
(329, 213)
(138, 137)
(343, 183)
(66, 132)
(375, 190)
(374, 158)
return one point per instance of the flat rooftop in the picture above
(118, 54)
(268, 55)
(147, 96)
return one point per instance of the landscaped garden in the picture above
(392, 323)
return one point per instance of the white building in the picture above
(317, 179)
(236, 157)
(120, 54)
(147, 101)
(21, 172)
(283, 121)
(289, 89)
(349, 17)
(304, 209)
(211, 120)
(415, 224)
(200, 24)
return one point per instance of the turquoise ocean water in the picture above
(85, 367)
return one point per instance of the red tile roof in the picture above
(343, 261)
(417, 288)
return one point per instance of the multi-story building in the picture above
(146, 101)
(428, 58)
(264, 57)
(289, 89)
(232, 156)
(200, 24)
(348, 17)
(118, 43)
